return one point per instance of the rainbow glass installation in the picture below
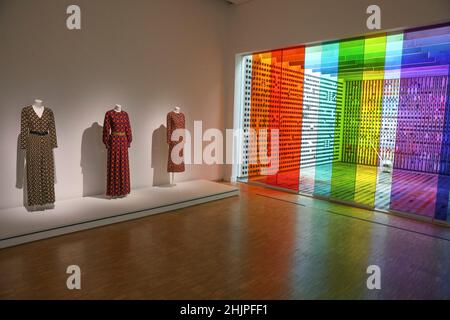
(363, 120)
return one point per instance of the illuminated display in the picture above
(363, 120)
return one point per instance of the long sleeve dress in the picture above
(117, 138)
(38, 138)
(175, 120)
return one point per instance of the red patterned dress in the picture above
(117, 138)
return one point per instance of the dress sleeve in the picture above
(169, 128)
(128, 132)
(52, 131)
(24, 129)
(106, 130)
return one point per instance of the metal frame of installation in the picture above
(364, 120)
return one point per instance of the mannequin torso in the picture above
(38, 108)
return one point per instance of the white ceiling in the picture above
(237, 1)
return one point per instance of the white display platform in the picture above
(17, 225)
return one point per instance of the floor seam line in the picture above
(360, 219)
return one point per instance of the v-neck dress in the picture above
(175, 162)
(117, 137)
(38, 138)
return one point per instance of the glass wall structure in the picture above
(363, 120)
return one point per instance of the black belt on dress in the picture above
(39, 133)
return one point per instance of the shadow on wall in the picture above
(160, 153)
(93, 161)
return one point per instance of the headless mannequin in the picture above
(38, 107)
(172, 174)
(117, 108)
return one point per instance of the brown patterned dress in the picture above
(38, 138)
(175, 120)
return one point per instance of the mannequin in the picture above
(38, 108)
(172, 174)
(117, 138)
(37, 140)
(175, 121)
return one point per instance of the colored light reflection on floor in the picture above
(363, 120)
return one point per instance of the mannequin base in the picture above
(117, 197)
(43, 207)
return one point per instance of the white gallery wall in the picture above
(259, 25)
(148, 55)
